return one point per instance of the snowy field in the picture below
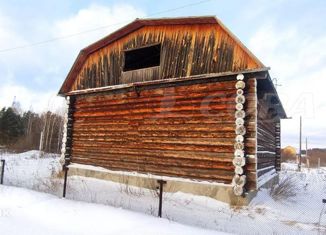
(122, 209)
(29, 212)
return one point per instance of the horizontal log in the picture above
(162, 133)
(159, 162)
(165, 98)
(266, 127)
(166, 127)
(161, 103)
(265, 148)
(263, 134)
(264, 171)
(204, 87)
(196, 155)
(136, 130)
(158, 121)
(264, 141)
(175, 146)
(211, 175)
(148, 114)
(164, 102)
(190, 157)
(165, 118)
(159, 140)
(250, 150)
(265, 164)
(197, 108)
(265, 159)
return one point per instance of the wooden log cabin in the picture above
(180, 99)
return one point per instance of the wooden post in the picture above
(3, 162)
(161, 183)
(300, 140)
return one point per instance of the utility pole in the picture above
(307, 157)
(300, 142)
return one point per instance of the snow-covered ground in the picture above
(29, 212)
(21, 208)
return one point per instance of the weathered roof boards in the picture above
(177, 97)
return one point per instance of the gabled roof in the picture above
(135, 25)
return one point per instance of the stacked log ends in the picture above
(239, 106)
(240, 77)
(240, 130)
(240, 114)
(64, 135)
(240, 85)
(238, 170)
(240, 99)
(239, 121)
(239, 180)
(238, 145)
(238, 153)
(239, 161)
(239, 139)
(239, 92)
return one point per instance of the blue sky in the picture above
(287, 35)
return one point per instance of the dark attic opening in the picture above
(144, 57)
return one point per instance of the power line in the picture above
(98, 28)
(59, 38)
(180, 7)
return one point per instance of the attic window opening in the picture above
(142, 58)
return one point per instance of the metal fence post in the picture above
(65, 168)
(3, 163)
(161, 183)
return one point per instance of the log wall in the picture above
(250, 136)
(185, 50)
(278, 145)
(182, 131)
(266, 136)
(67, 137)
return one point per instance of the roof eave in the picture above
(167, 81)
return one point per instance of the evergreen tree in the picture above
(11, 126)
(23, 132)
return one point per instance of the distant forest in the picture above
(29, 131)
